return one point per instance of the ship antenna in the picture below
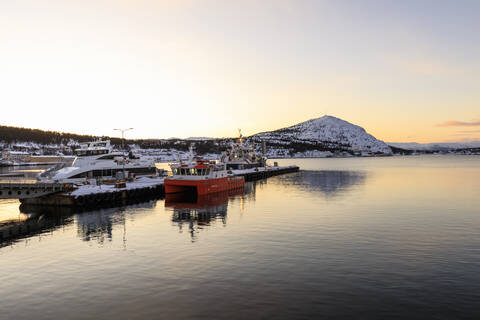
(190, 156)
(179, 158)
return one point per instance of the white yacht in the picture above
(97, 160)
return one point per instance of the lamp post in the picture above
(123, 133)
(123, 138)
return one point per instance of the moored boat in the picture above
(97, 160)
(201, 177)
(242, 155)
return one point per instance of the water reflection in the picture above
(98, 225)
(191, 213)
(198, 212)
(399, 242)
(329, 183)
(91, 225)
(30, 224)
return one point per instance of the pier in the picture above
(12, 190)
(264, 172)
(93, 195)
(69, 195)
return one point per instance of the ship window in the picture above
(97, 173)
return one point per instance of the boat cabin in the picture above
(199, 169)
(94, 148)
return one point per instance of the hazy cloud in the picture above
(455, 123)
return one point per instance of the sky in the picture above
(404, 70)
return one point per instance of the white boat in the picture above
(96, 160)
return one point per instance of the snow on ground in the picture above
(143, 182)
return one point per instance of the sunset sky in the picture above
(403, 70)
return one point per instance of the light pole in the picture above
(123, 138)
(123, 133)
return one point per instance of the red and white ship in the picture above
(201, 177)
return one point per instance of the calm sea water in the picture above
(380, 238)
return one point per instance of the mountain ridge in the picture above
(326, 133)
(435, 146)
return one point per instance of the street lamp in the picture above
(123, 138)
(123, 132)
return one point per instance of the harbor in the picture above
(58, 194)
(100, 176)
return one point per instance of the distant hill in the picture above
(31, 137)
(11, 135)
(325, 134)
(440, 146)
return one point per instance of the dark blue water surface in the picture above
(377, 238)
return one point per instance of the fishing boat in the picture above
(201, 177)
(242, 155)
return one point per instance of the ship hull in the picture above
(202, 187)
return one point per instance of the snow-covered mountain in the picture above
(440, 146)
(327, 133)
(199, 138)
